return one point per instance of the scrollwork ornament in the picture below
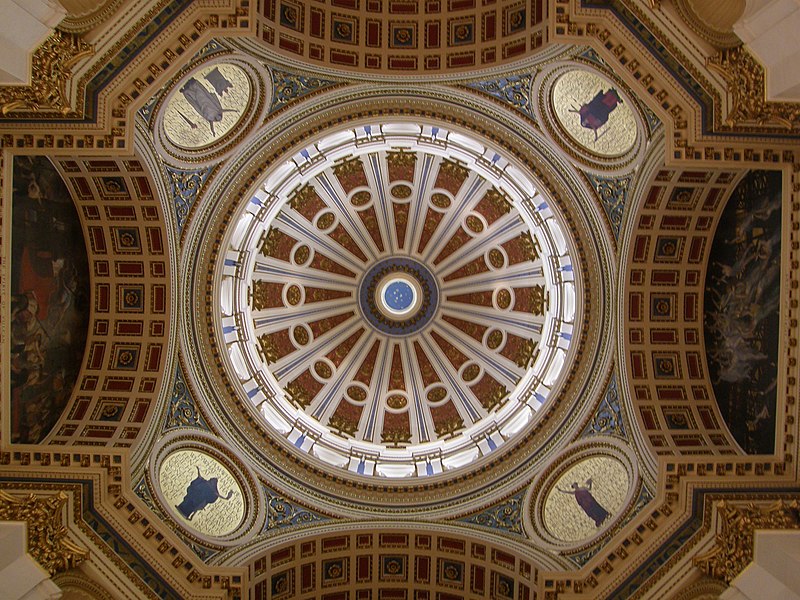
(288, 87)
(733, 549)
(282, 513)
(51, 69)
(746, 81)
(505, 517)
(47, 535)
(183, 411)
(514, 90)
(186, 186)
(613, 193)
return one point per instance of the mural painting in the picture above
(587, 502)
(201, 492)
(206, 106)
(586, 498)
(49, 311)
(742, 296)
(594, 113)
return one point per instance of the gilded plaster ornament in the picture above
(50, 71)
(746, 81)
(733, 549)
(47, 535)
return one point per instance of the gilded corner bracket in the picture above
(733, 549)
(50, 71)
(746, 82)
(47, 535)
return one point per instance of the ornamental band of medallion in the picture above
(407, 302)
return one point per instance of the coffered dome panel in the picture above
(398, 300)
(402, 38)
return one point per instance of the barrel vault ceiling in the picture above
(398, 300)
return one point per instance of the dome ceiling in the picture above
(419, 314)
(408, 303)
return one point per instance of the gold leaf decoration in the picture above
(499, 200)
(50, 70)
(530, 246)
(733, 549)
(47, 535)
(746, 81)
(298, 394)
(269, 242)
(348, 167)
(454, 170)
(260, 294)
(302, 197)
(401, 159)
(395, 437)
(540, 300)
(449, 427)
(343, 425)
(525, 354)
(268, 348)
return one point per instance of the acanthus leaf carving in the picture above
(733, 549)
(48, 543)
(51, 69)
(746, 81)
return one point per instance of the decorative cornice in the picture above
(746, 81)
(47, 535)
(733, 550)
(51, 69)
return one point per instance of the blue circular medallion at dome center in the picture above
(398, 295)
(414, 308)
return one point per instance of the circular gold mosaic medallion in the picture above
(206, 106)
(201, 492)
(594, 113)
(586, 498)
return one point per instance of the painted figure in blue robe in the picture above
(594, 114)
(200, 493)
(585, 499)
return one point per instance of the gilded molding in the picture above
(50, 71)
(733, 549)
(47, 535)
(746, 82)
(87, 20)
(709, 32)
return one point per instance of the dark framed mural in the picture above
(741, 310)
(49, 311)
